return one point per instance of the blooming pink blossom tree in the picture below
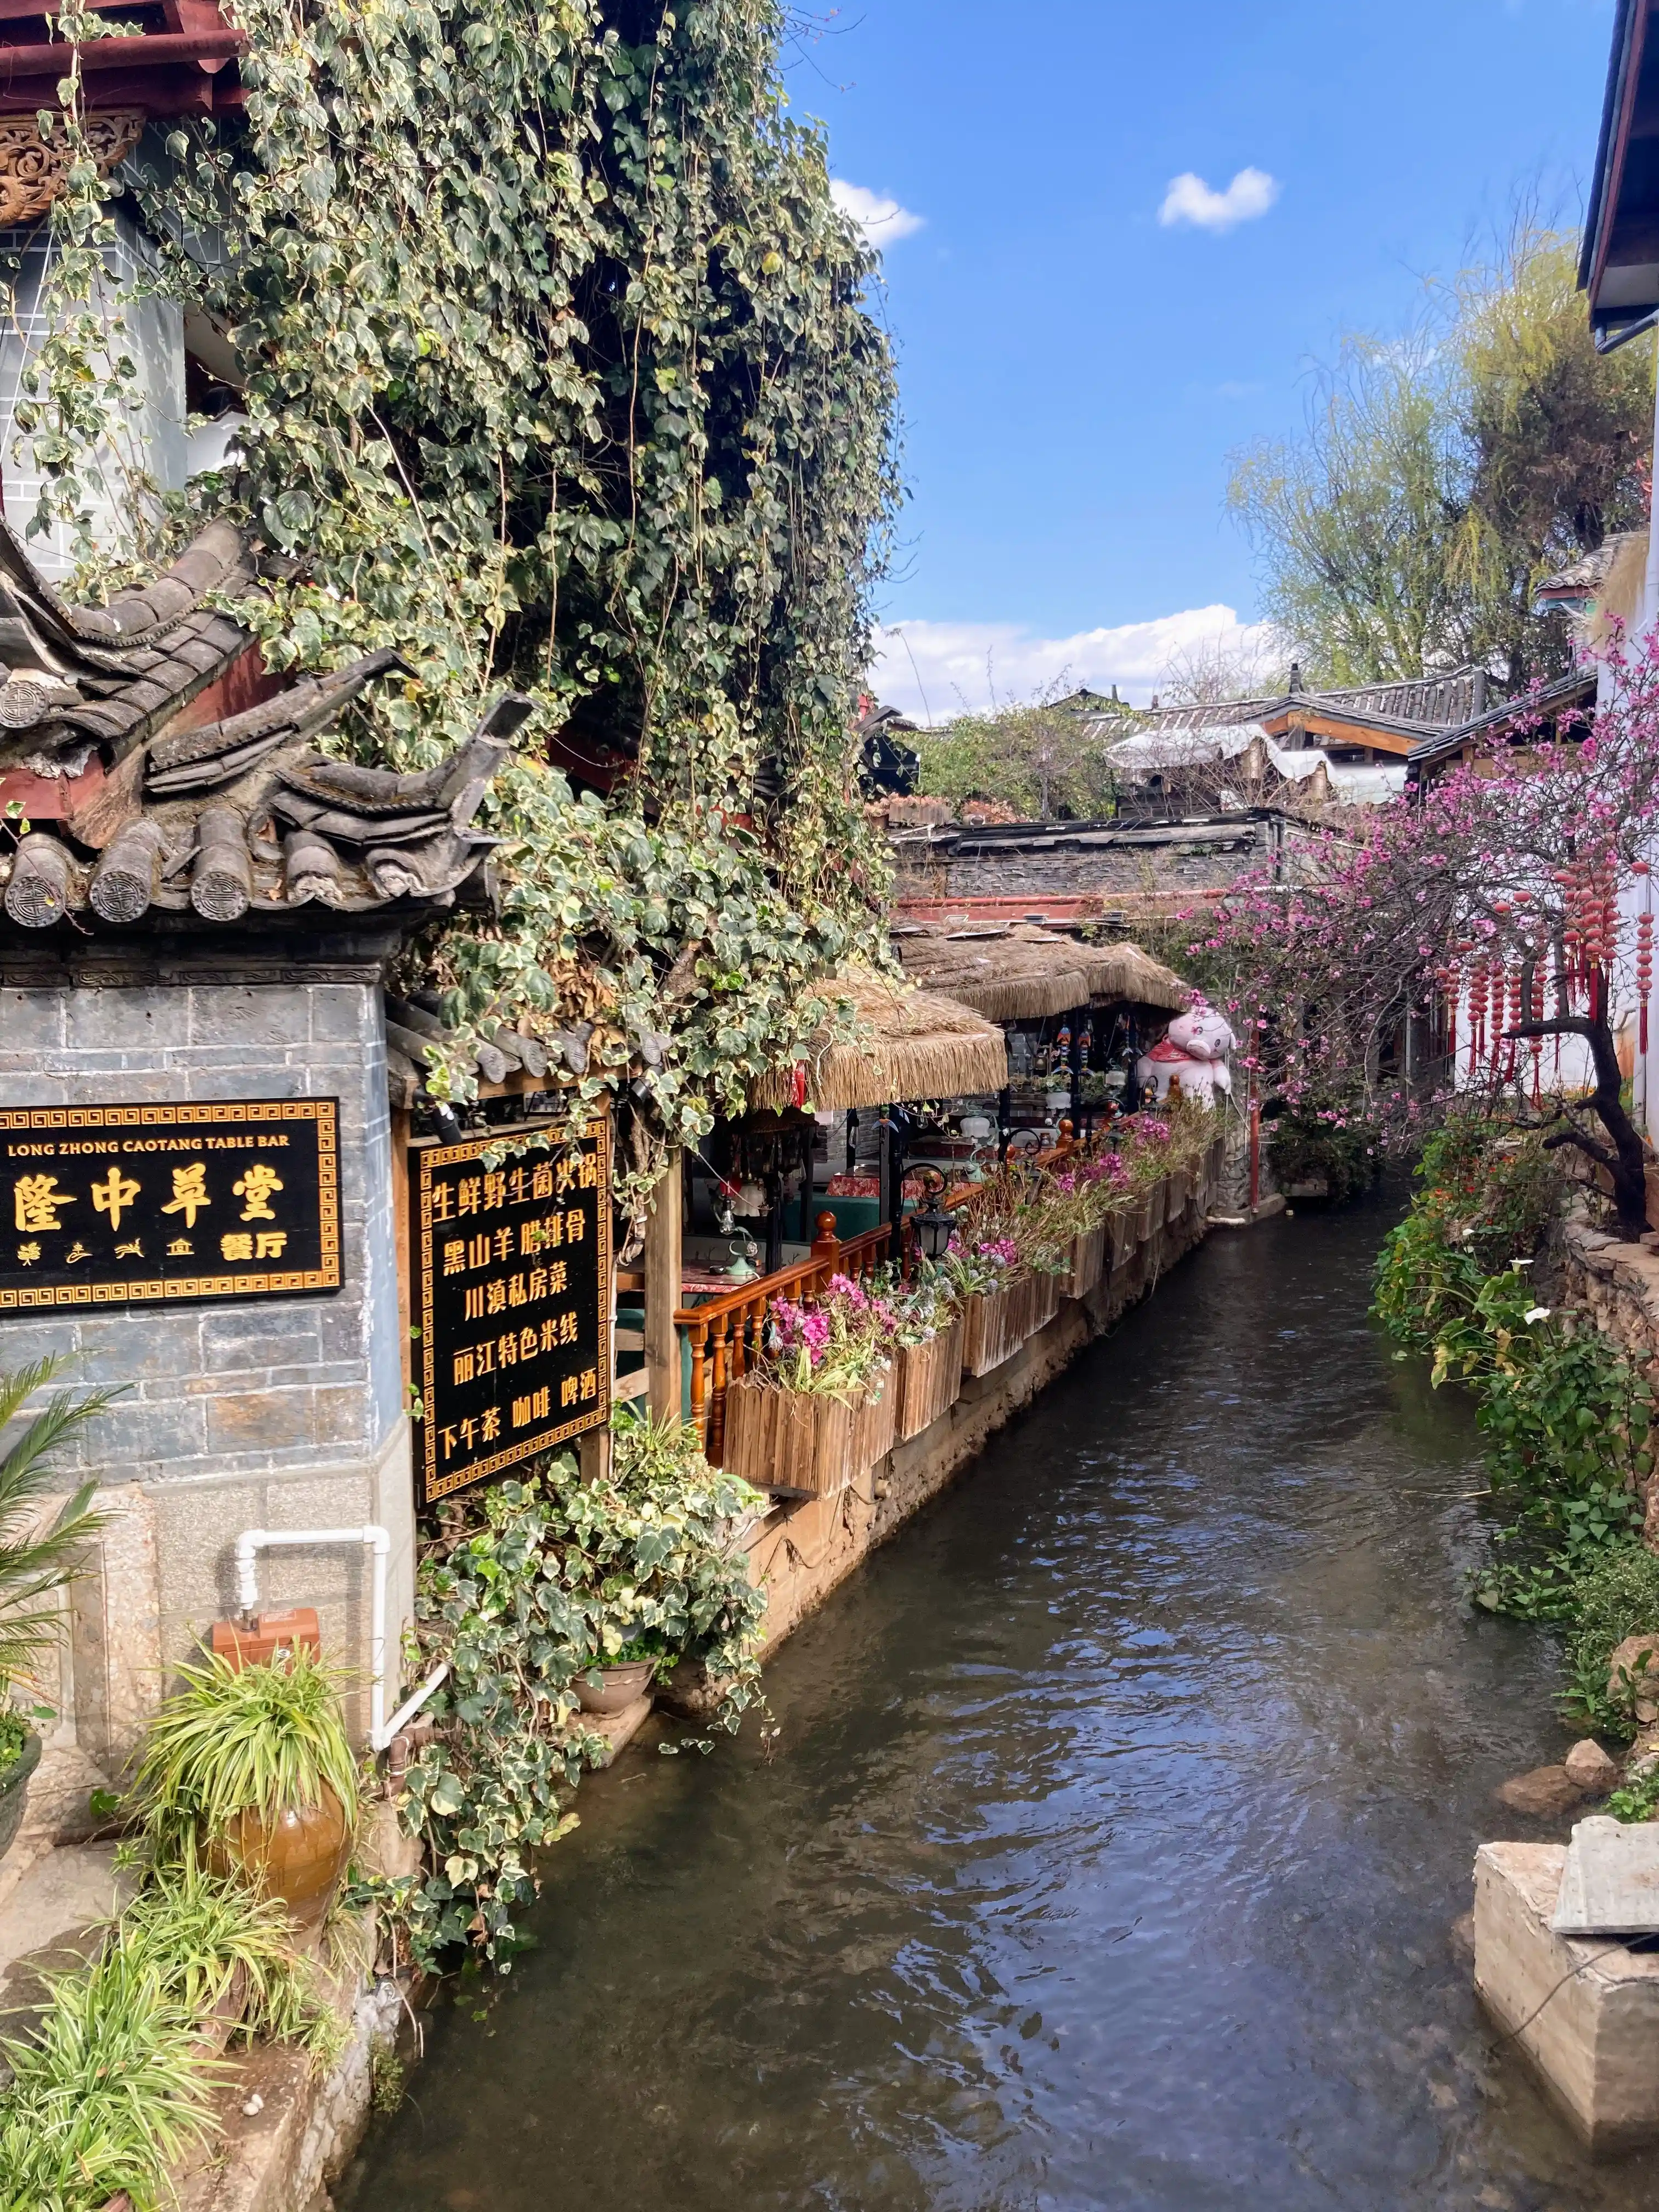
(1493, 913)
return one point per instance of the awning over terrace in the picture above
(1025, 974)
(909, 1044)
(1001, 977)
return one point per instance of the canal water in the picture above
(1122, 1810)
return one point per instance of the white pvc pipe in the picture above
(410, 1706)
(252, 1541)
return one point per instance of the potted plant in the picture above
(250, 1767)
(616, 1679)
(818, 1412)
(38, 1558)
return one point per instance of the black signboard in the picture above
(511, 1270)
(105, 1205)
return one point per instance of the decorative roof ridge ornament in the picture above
(137, 617)
(216, 832)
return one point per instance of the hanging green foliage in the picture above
(560, 375)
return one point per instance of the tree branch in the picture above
(1600, 1153)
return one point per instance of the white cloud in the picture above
(1189, 199)
(932, 669)
(883, 222)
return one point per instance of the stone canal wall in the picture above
(1615, 1283)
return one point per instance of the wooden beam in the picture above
(593, 1455)
(662, 1293)
(1344, 732)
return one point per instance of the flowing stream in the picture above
(1123, 1809)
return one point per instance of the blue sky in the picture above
(1076, 372)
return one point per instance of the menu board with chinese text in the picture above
(121, 1204)
(510, 1269)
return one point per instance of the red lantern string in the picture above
(1516, 985)
(1477, 1011)
(1536, 1012)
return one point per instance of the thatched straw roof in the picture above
(909, 1044)
(1004, 978)
(1120, 971)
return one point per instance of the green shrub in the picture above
(1615, 1596)
(1488, 1197)
(112, 2091)
(38, 1558)
(199, 1930)
(1324, 1144)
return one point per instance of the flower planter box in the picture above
(1121, 1228)
(1046, 1291)
(926, 1383)
(1156, 1198)
(1178, 1190)
(873, 1426)
(1088, 1262)
(994, 1325)
(801, 1444)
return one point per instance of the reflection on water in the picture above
(1124, 1806)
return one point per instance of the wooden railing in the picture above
(728, 1334)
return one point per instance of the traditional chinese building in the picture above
(201, 1087)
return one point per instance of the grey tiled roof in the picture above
(1420, 705)
(113, 673)
(233, 818)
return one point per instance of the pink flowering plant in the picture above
(1507, 908)
(976, 1264)
(1028, 1219)
(921, 1309)
(838, 1346)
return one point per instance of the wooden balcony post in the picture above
(698, 1333)
(662, 1294)
(715, 1448)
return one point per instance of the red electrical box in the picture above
(273, 1636)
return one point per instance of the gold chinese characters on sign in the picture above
(511, 1269)
(121, 1204)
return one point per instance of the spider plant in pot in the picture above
(40, 1552)
(250, 1768)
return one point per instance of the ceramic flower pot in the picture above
(298, 1857)
(617, 1688)
(14, 1791)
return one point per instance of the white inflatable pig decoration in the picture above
(1193, 1054)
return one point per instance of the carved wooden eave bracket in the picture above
(33, 170)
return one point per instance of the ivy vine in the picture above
(552, 1578)
(561, 373)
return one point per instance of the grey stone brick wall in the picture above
(1128, 871)
(285, 1412)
